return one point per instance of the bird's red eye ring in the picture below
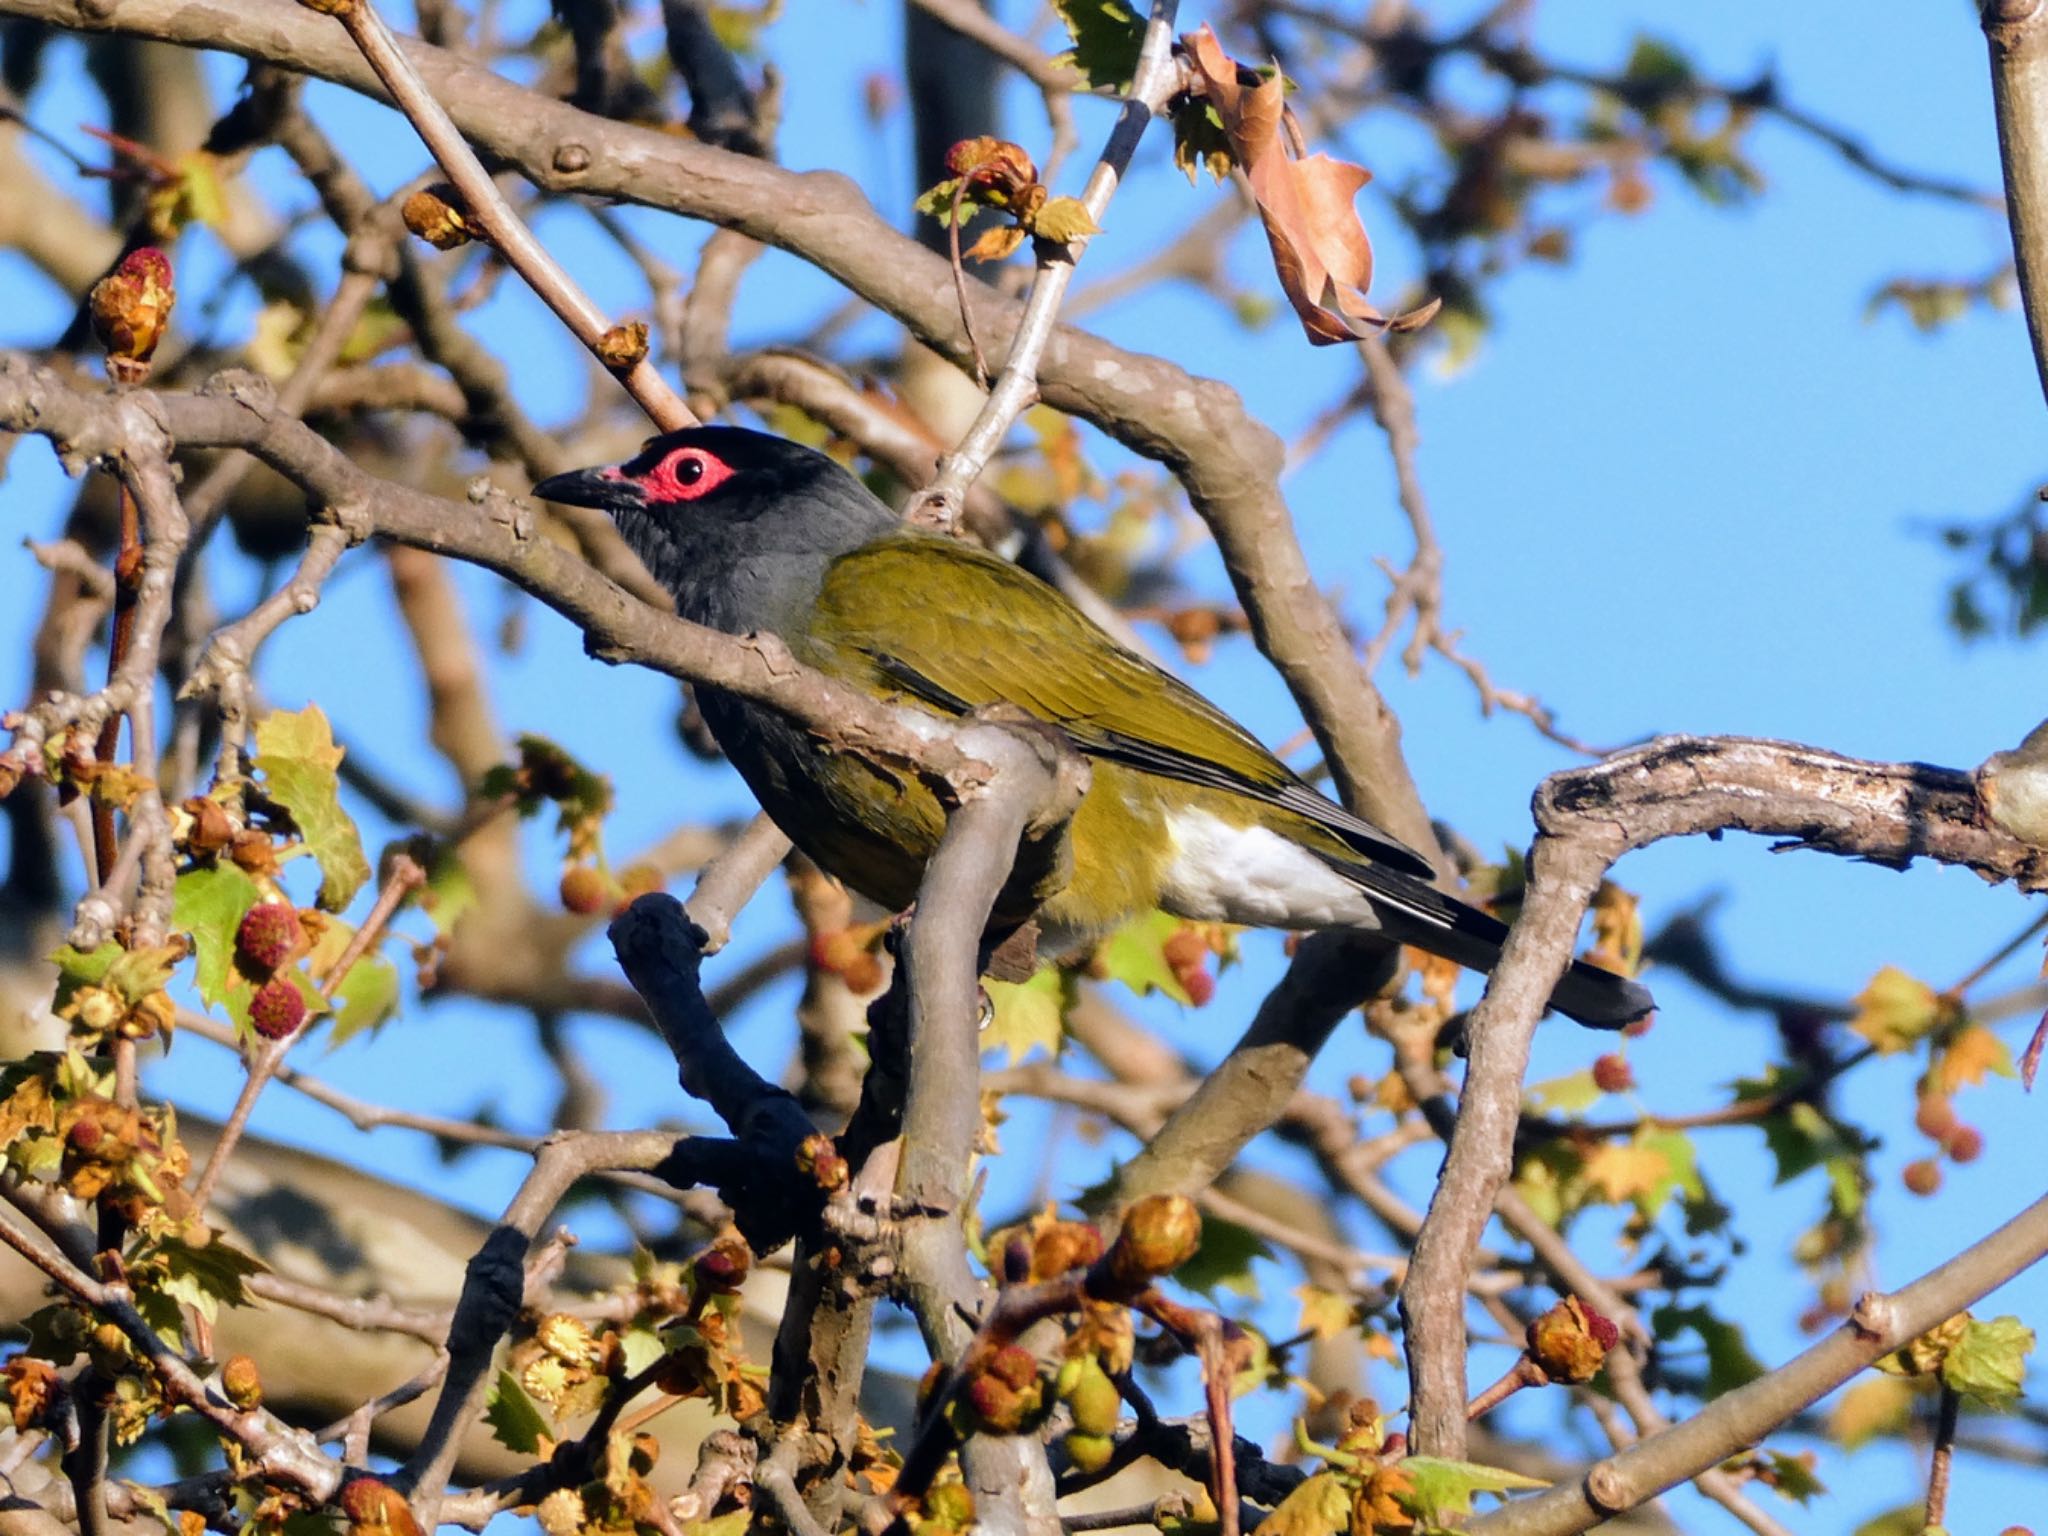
(686, 475)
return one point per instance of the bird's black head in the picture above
(738, 525)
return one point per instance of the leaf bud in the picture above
(242, 1383)
(131, 310)
(436, 215)
(724, 1265)
(818, 1157)
(623, 348)
(1063, 1246)
(1160, 1233)
(1006, 1392)
(375, 1508)
(1570, 1342)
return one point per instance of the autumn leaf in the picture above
(1895, 1011)
(1318, 1506)
(1879, 1405)
(996, 244)
(1320, 250)
(1970, 1057)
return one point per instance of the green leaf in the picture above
(1653, 62)
(1107, 37)
(449, 891)
(1200, 142)
(1136, 956)
(1320, 1506)
(1028, 1015)
(1792, 1477)
(515, 1419)
(297, 757)
(367, 996)
(79, 968)
(209, 903)
(136, 973)
(1989, 1362)
(1906, 1520)
(1443, 1489)
(639, 1347)
(203, 1277)
(1572, 1094)
(1224, 1261)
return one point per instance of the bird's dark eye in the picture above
(690, 470)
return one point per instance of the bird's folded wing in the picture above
(958, 628)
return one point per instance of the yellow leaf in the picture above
(1064, 219)
(1880, 1405)
(1623, 1170)
(994, 244)
(1895, 1010)
(1617, 930)
(1974, 1053)
(1325, 1314)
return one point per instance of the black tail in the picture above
(1420, 914)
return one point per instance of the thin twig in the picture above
(487, 207)
(1016, 387)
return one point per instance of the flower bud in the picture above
(266, 936)
(278, 1009)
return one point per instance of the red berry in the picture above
(267, 936)
(278, 1009)
(1923, 1176)
(1612, 1074)
(1965, 1144)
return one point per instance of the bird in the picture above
(1185, 811)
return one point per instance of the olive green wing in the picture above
(958, 628)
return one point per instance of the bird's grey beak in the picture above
(607, 489)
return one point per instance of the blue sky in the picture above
(1684, 486)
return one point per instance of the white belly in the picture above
(1221, 873)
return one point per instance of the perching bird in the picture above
(1185, 810)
